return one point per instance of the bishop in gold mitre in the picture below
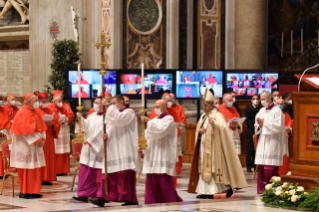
(215, 166)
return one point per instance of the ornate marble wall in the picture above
(144, 34)
(209, 34)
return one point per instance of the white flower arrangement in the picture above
(268, 186)
(278, 189)
(278, 193)
(294, 198)
(292, 192)
(300, 188)
(284, 185)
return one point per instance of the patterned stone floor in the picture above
(59, 198)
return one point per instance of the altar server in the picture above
(105, 101)
(27, 155)
(127, 105)
(283, 169)
(215, 165)
(10, 106)
(49, 171)
(270, 125)
(62, 143)
(158, 165)
(229, 113)
(92, 155)
(4, 128)
(122, 155)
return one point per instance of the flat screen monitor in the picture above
(155, 83)
(192, 84)
(247, 83)
(91, 84)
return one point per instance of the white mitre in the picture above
(209, 96)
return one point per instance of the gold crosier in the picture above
(100, 45)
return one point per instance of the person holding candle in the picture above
(122, 156)
(161, 136)
(92, 155)
(62, 143)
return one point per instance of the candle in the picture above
(79, 81)
(318, 40)
(301, 41)
(216, 51)
(282, 44)
(143, 94)
(292, 43)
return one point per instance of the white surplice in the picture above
(236, 137)
(271, 137)
(161, 136)
(24, 153)
(210, 187)
(122, 143)
(92, 154)
(62, 143)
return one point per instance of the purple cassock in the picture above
(122, 187)
(265, 173)
(87, 186)
(160, 189)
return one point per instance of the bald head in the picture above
(280, 102)
(173, 96)
(168, 98)
(161, 104)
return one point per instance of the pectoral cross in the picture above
(207, 160)
(219, 175)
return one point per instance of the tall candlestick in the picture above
(142, 90)
(216, 51)
(292, 43)
(282, 44)
(79, 81)
(318, 40)
(301, 41)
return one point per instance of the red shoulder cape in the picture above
(25, 122)
(5, 119)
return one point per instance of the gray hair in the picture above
(227, 95)
(268, 94)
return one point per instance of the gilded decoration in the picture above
(209, 7)
(315, 131)
(144, 34)
(105, 26)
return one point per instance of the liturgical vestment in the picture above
(49, 171)
(28, 131)
(122, 156)
(159, 160)
(230, 113)
(283, 169)
(92, 155)
(4, 126)
(62, 143)
(215, 164)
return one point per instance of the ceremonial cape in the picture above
(12, 110)
(5, 119)
(228, 169)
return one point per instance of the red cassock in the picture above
(49, 171)
(283, 170)
(27, 122)
(228, 113)
(83, 95)
(4, 124)
(211, 80)
(11, 110)
(62, 161)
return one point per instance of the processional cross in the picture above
(100, 45)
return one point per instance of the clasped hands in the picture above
(203, 129)
(233, 125)
(260, 122)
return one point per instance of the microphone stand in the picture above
(309, 47)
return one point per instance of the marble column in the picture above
(172, 43)
(116, 23)
(251, 24)
(230, 34)
(190, 33)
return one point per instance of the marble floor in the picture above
(59, 198)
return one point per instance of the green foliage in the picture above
(65, 54)
(312, 201)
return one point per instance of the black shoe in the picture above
(35, 196)
(25, 196)
(80, 198)
(205, 196)
(61, 175)
(229, 193)
(98, 201)
(1, 177)
(130, 203)
(249, 170)
(47, 183)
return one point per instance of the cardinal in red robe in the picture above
(131, 90)
(62, 143)
(211, 79)
(259, 78)
(130, 80)
(283, 169)
(49, 171)
(272, 78)
(83, 81)
(4, 124)
(10, 106)
(83, 94)
(27, 155)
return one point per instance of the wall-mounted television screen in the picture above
(91, 84)
(192, 84)
(247, 83)
(131, 84)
